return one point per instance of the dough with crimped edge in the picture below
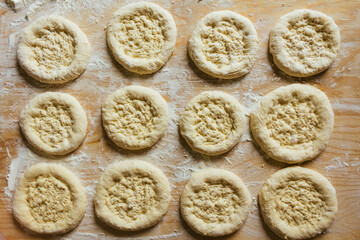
(141, 37)
(135, 117)
(215, 202)
(53, 50)
(297, 203)
(49, 199)
(54, 123)
(132, 195)
(212, 122)
(304, 42)
(293, 123)
(223, 44)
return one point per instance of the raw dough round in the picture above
(132, 195)
(223, 44)
(49, 199)
(53, 50)
(141, 37)
(293, 124)
(297, 203)
(212, 122)
(215, 202)
(53, 122)
(135, 117)
(304, 42)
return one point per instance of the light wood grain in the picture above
(178, 81)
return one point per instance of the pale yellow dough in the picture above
(132, 195)
(49, 199)
(298, 203)
(54, 123)
(135, 117)
(141, 36)
(53, 50)
(293, 123)
(215, 202)
(212, 122)
(304, 42)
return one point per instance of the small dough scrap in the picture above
(141, 36)
(304, 42)
(224, 44)
(215, 202)
(135, 117)
(293, 123)
(132, 195)
(212, 122)
(49, 199)
(54, 123)
(53, 50)
(298, 203)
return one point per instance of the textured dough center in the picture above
(133, 118)
(53, 49)
(215, 202)
(293, 122)
(224, 43)
(308, 40)
(49, 199)
(212, 121)
(132, 197)
(299, 203)
(141, 35)
(53, 123)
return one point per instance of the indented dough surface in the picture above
(49, 199)
(298, 203)
(54, 123)
(304, 42)
(53, 50)
(293, 123)
(212, 122)
(132, 195)
(215, 202)
(141, 36)
(223, 44)
(135, 117)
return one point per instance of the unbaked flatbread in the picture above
(304, 42)
(223, 44)
(54, 123)
(49, 199)
(141, 37)
(215, 202)
(293, 124)
(132, 195)
(53, 50)
(135, 117)
(298, 203)
(212, 122)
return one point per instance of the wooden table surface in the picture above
(178, 81)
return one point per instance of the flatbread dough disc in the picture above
(298, 203)
(135, 117)
(223, 44)
(215, 202)
(49, 199)
(293, 124)
(212, 122)
(132, 195)
(304, 42)
(53, 50)
(141, 37)
(54, 123)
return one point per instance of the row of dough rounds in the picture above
(291, 124)
(142, 37)
(296, 202)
